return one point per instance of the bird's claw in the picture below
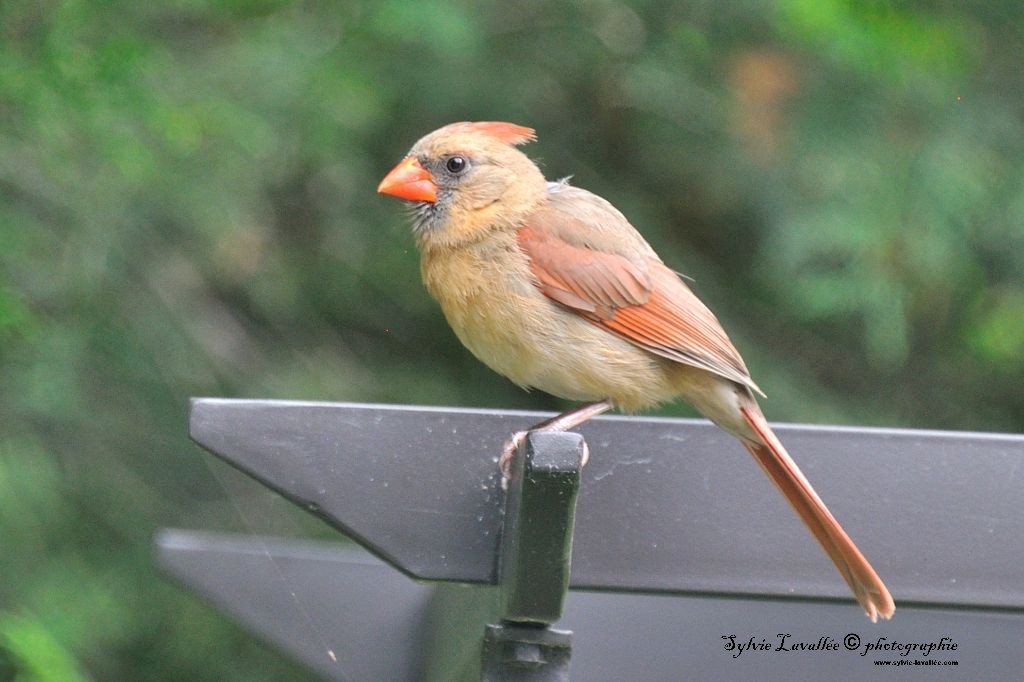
(507, 453)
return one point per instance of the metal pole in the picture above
(534, 562)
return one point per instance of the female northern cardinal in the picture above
(550, 286)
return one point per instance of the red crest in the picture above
(509, 133)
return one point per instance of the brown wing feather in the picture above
(638, 299)
(587, 281)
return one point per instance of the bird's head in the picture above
(466, 179)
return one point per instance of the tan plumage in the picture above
(550, 286)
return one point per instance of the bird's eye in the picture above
(456, 164)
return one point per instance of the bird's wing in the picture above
(629, 293)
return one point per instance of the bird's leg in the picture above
(562, 422)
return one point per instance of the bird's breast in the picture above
(493, 305)
(489, 300)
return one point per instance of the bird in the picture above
(550, 286)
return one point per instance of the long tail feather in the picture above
(867, 587)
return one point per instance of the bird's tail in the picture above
(867, 587)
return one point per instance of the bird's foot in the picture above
(507, 453)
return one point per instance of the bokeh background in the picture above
(187, 208)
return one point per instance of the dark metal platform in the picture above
(679, 540)
(383, 625)
(670, 505)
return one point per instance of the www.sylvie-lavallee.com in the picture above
(852, 642)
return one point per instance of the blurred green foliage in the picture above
(187, 208)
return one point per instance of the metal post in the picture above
(534, 562)
(525, 653)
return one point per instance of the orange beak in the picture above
(409, 180)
